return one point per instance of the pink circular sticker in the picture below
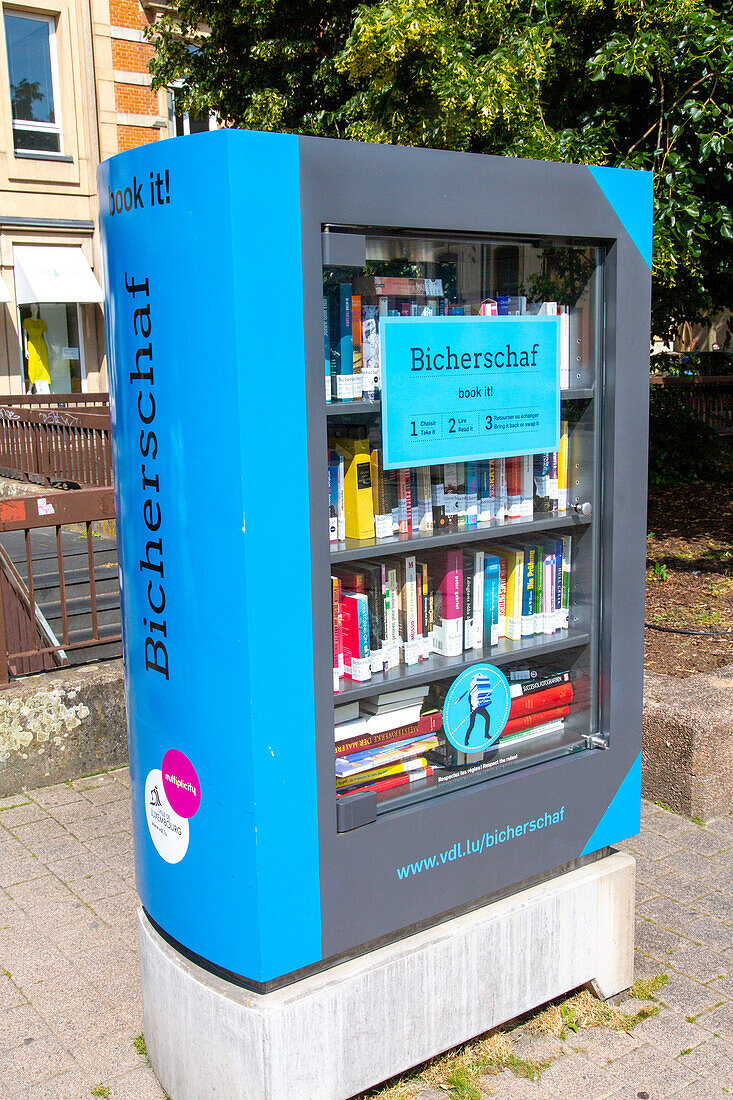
(180, 783)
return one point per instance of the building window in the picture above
(34, 82)
(187, 122)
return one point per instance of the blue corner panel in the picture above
(631, 194)
(622, 819)
(204, 290)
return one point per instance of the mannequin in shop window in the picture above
(36, 352)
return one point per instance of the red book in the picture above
(541, 700)
(338, 655)
(404, 490)
(393, 781)
(514, 477)
(537, 719)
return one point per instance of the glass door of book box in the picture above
(445, 569)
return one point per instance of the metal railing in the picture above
(57, 444)
(57, 400)
(708, 397)
(27, 641)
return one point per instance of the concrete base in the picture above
(333, 1035)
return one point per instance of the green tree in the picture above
(631, 83)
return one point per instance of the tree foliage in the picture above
(632, 83)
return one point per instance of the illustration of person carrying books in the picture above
(479, 699)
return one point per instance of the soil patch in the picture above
(689, 578)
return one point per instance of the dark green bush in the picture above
(681, 448)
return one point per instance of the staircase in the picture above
(47, 588)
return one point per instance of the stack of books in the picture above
(382, 742)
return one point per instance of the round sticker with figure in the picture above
(169, 831)
(476, 708)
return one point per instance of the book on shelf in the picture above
(357, 762)
(447, 582)
(327, 346)
(387, 770)
(358, 504)
(357, 742)
(356, 381)
(345, 712)
(393, 286)
(386, 701)
(535, 718)
(562, 469)
(341, 347)
(371, 367)
(381, 785)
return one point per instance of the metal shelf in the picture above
(336, 409)
(437, 667)
(353, 549)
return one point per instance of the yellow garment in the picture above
(37, 351)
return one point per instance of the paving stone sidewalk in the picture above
(70, 994)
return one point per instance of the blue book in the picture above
(327, 346)
(363, 603)
(492, 566)
(333, 496)
(341, 344)
(471, 494)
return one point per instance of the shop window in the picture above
(34, 82)
(51, 348)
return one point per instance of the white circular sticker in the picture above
(168, 830)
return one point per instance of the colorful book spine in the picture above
(423, 595)
(338, 653)
(567, 547)
(539, 718)
(404, 502)
(355, 625)
(514, 592)
(501, 490)
(450, 494)
(503, 569)
(447, 582)
(356, 351)
(528, 592)
(341, 343)
(486, 492)
(478, 599)
(471, 506)
(327, 346)
(561, 695)
(468, 610)
(492, 579)
(548, 591)
(514, 488)
(358, 503)
(437, 494)
(527, 503)
(380, 496)
(562, 469)
(396, 781)
(538, 578)
(424, 500)
(333, 496)
(552, 481)
(341, 517)
(461, 504)
(391, 754)
(370, 368)
(420, 762)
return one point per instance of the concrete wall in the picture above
(60, 725)
(688, 742)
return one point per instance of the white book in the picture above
(478, 600)
(378, 723)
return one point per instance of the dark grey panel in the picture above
(363, 897)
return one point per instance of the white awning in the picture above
(54, 275)
(4, 293)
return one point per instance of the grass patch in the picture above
(699, 821)
(101, 1090)
(139, 1044)
(585, 1010)
(644, 989)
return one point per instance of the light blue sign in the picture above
(456, 389)
(476, 708)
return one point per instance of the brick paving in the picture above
(70, 995)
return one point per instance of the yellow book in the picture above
(381, 773)
(514, 589)
(358, 503)
(562, 469)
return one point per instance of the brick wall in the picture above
(131, 98)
